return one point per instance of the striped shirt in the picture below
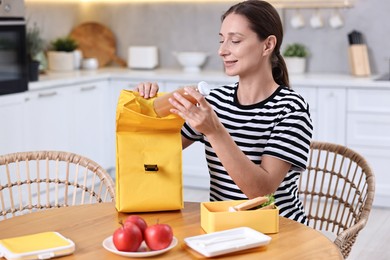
(279, 126)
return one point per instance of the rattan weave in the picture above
(31, 181)
(337, 190)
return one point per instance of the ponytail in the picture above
(279, 69)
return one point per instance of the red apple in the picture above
(139, 221)
(127, 238)
(158, 236)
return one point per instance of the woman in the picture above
(257, 133)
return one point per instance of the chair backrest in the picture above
(32, 181)
(337, 191)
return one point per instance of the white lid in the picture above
(204, 88)
(227, 241)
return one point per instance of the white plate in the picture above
(227, 241)
(143, 251)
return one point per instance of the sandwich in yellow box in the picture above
(261, 215)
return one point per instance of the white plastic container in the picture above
(90, 64)
(142, 57)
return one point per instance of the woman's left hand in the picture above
(200, 116)
(147, 89)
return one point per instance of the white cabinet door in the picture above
(369, 117)
(12, 118)
(369, 129)
(378, 158)
(195, 170)
(88, 121)
(331, 116)
(47, 119)
(368, 133)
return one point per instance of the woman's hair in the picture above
(265, 21)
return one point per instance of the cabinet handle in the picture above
(47, 94)
(87, 88)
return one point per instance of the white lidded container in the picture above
(142, 57)
(44, 245)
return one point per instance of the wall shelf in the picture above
(285, 4)
(311, 4)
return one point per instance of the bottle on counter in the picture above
(162, 106)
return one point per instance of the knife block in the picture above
(358, 60)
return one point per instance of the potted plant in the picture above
(35, 47)
(61, 55)
(295, 57)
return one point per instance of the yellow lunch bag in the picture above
(148, 157)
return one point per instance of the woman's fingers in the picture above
(147, 89)
(180, 102)
(195, 94)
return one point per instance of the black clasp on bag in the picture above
(151, 167)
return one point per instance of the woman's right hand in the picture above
(147, 89)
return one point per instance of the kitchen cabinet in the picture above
(12, 116)
(327, 107)
(88, 121)
(47, 119)
(331, 115)
(195, 170)
(68, 118)
(358, 118)
(368, 128)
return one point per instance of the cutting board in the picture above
(97, 41)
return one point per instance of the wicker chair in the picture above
(32, 181)
(337, 191)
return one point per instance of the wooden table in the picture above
(89, 225)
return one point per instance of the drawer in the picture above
(369, 100)
(12, 99)
(368, 129)
(378, 159)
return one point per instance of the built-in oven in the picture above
(13, 58)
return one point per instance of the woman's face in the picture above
(240, 48)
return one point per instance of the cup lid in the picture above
(204, 88)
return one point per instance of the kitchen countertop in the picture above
(57, 79)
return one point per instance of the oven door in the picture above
(13, 58)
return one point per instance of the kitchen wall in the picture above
(195, 27)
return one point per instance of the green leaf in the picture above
(295, 50)
(64, 44)
(34, 42)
